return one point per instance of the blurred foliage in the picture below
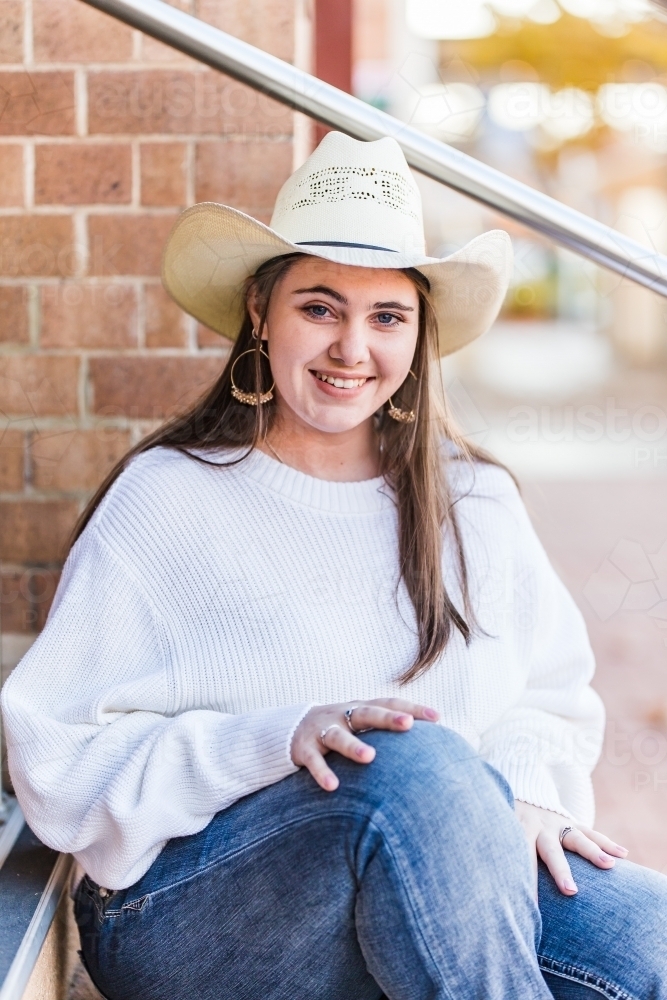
(532, 299)
(570, 52)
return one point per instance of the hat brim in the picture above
(213, 248)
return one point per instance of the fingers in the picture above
(344, 743)
(578, 841)
(607, 845)
(373, 716)
(549, 849)
(321, 772)
(308, 750)
(400, 705)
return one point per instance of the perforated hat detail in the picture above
(336, 184)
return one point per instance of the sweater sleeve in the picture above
(101, 768)
(549, 741)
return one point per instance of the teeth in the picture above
(340, 383)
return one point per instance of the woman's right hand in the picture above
(308, 749)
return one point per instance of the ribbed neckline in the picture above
(363, 497)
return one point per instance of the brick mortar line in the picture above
(25, 351)
(126, 210)
(93, 208)
(81, 243)
(137, 37)
(135, 183)
(27, 458)
(28, 461)
(29, 174)
(191, 334)
(28, 47)
(83, 391)
(190, 172)
(150, 138)
(156, 138)
(81, 102)
(88, 280)
(130, 66)
(139, 65)
(34, 316)
(140, 321)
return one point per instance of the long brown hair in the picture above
(413, 461)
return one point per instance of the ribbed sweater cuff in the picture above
(530, 781)
(260, 748)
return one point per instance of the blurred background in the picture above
(569, 388)
(105, 135)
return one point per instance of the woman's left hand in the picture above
(543, 828)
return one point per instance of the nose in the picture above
(350, 346)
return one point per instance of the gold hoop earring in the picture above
(250, 398)
(402, 416)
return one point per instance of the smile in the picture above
(341, 383)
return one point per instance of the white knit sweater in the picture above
(204, 610)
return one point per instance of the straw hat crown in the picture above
(351, 202)
(377, 202)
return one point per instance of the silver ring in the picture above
(348, 719)
(564, 832)
(334, 725)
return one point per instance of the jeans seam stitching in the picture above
(444, 986)
(202, 871)
(576, 974)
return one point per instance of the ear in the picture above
(253, 310)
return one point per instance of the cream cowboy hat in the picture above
(351, 202)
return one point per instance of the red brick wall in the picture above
(105, 135)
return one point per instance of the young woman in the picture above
(309, 554)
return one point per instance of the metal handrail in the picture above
(450, 166)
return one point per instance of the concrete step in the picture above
(38, 936)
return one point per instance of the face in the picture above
(341, 340)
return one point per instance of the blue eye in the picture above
(318, 310)
(385, 319)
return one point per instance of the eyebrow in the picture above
(325, 290)
(393, 305)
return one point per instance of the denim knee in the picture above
(429, 761)
(427, 747)
(426, 740)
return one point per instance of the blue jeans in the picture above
(412, 882)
